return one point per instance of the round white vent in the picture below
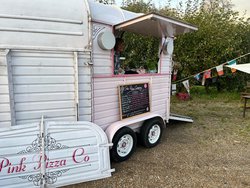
(106, 40)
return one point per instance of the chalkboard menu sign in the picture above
(134, 99)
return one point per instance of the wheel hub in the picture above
(154, 134)
(125, 145)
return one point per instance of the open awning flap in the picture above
(241, 67)
(156, 25)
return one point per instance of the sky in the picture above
(239, 5)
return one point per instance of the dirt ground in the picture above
(214, 151)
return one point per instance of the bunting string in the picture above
(207, 72)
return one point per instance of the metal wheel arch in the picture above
(130, 123)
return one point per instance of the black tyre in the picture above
(151, 132)
(124, 144)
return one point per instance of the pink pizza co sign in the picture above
(9, 167)
(62, 153)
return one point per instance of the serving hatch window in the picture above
(141, 41)
(136, 54)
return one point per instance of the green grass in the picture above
(245, 131)
(199, 91)
(215, 113)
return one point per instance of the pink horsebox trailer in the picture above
(63, 111)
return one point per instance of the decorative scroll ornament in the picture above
(50, 177)
(36, 146)
(35, 178)
(51, 143)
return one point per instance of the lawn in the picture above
(220, 113)
(214, 151)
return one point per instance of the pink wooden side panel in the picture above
(106, 99)
(166, 62)
(105, 85)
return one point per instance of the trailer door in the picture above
(53, 154)
(46, 84)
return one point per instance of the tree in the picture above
(140, 50)
(223, 35)
(220, 38)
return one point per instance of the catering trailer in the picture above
(63, 109)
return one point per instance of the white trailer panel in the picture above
(85, 86)
(5, 112)
(17, 149)
(31, 80)
(45, 24)
(101, 58)
(52, 154)
(50, 83)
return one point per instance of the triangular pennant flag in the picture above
(186, 85)
(173, 89)
(220, 70)
(233, 70)
(203, 79)
(207, 74)
(241, 67)
(175, 75)
(197, 77)
(232, 62)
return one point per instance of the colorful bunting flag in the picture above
(220, 70)
(233, 70)
(173, 89)
(207, 74)
(233, 62)
(197, 77)
(210, 73)
(203, 79)
(175, 75)
(186, 85)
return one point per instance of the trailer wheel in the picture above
(124, 144)
(151, 132)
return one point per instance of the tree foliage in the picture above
(140, 50)
(218, 39)
(222, 35)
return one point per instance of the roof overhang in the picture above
(155, 25)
